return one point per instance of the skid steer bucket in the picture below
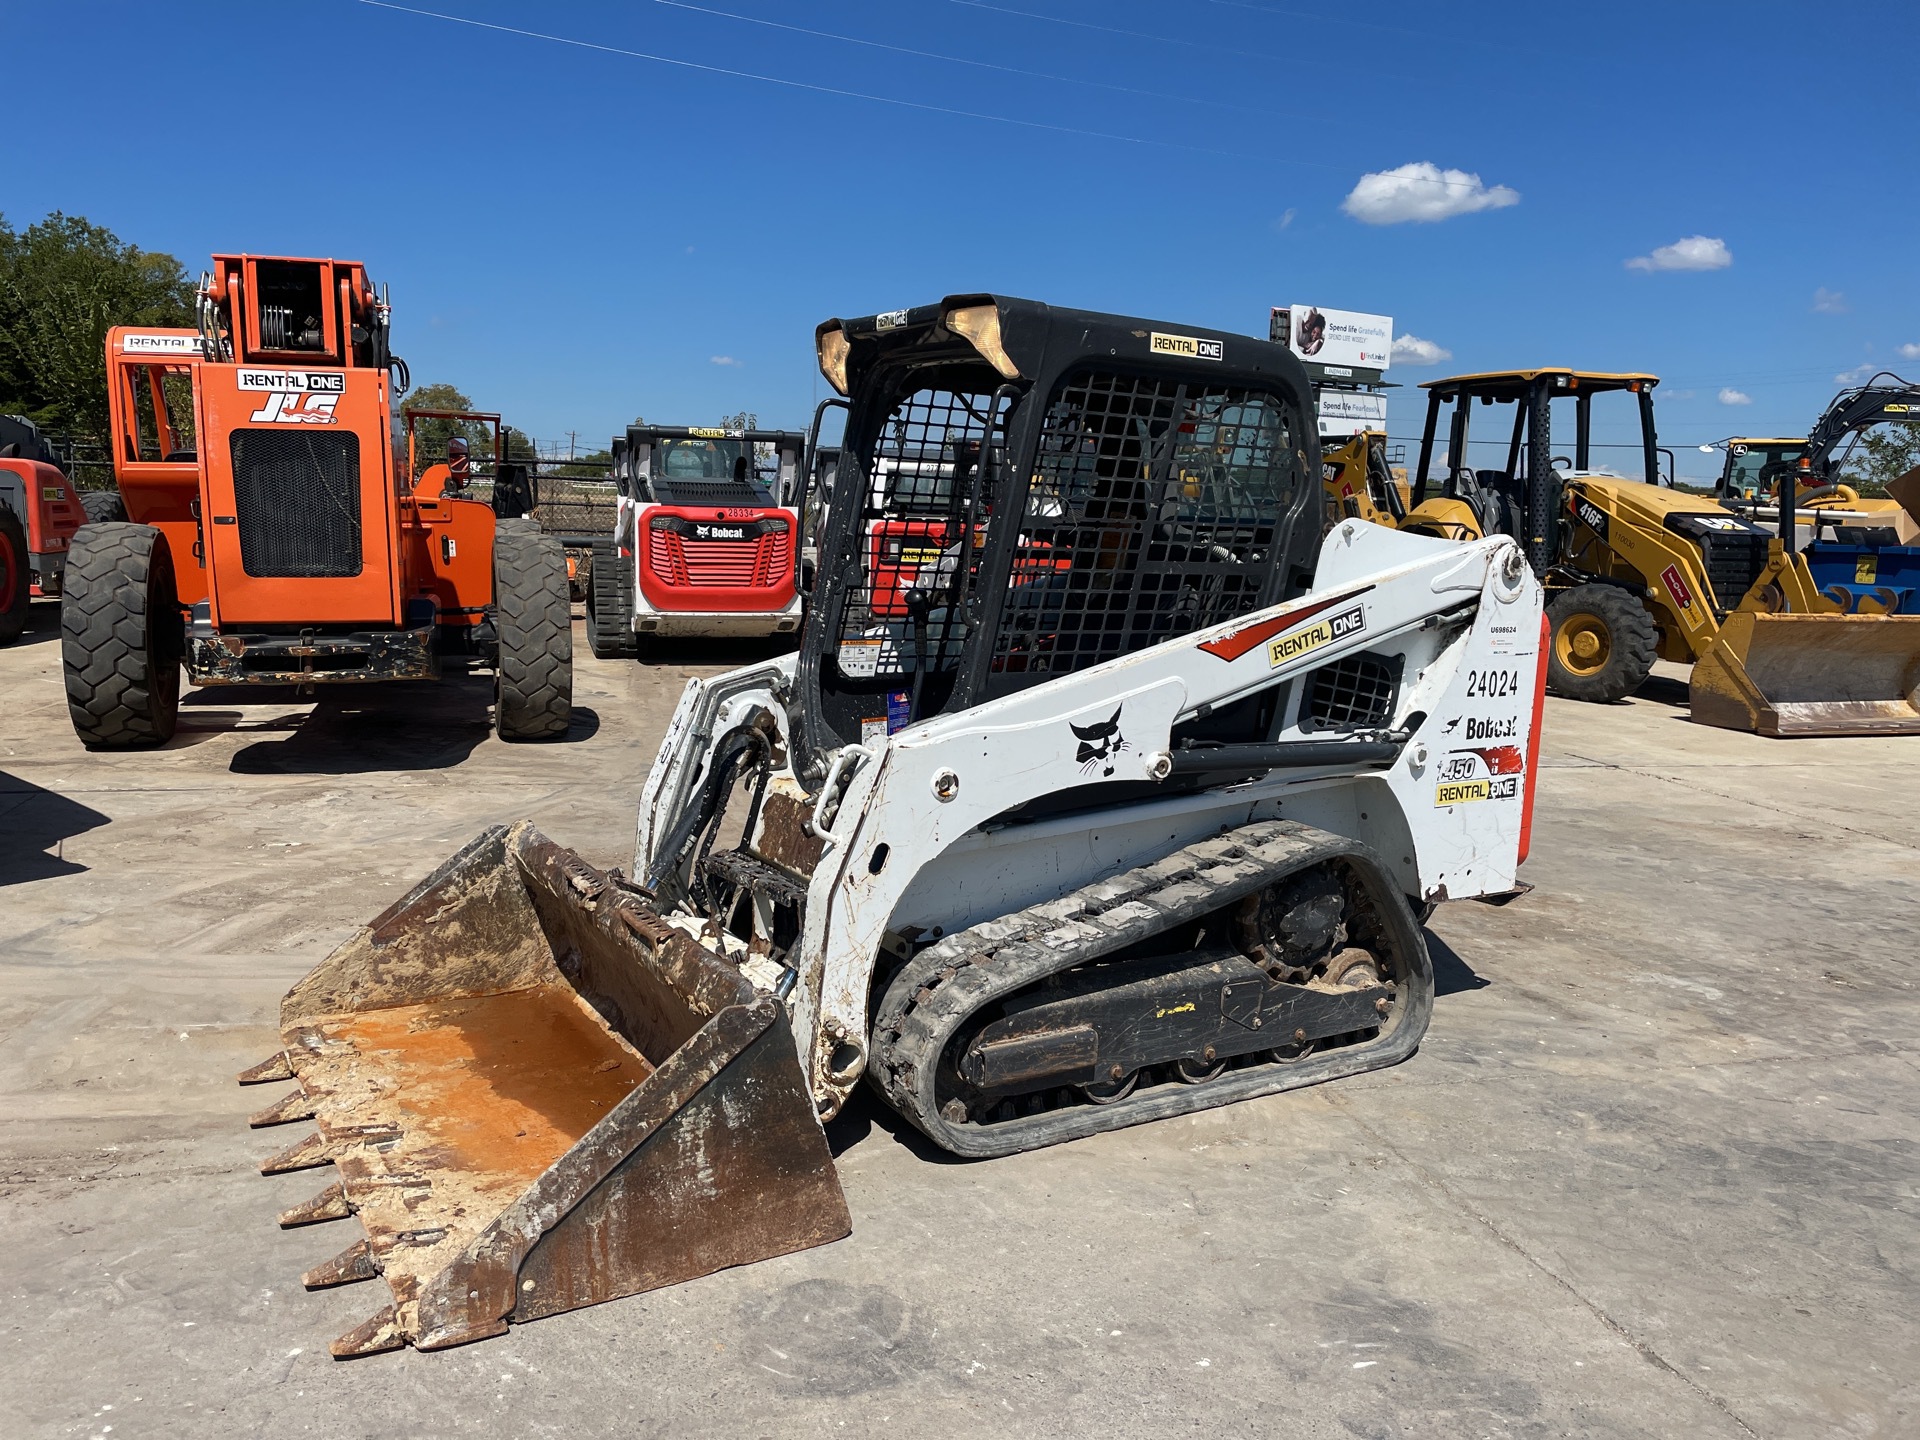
(536, 1096)
(1788, 675)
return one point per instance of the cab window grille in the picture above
(912, 538)
(1152, 513)
(296, 498)
(1355, 693)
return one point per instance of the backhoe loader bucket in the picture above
(536, 1096)
(1789, 675)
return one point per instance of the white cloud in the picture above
(1859, 374)
(1412, 350)
(1731, 396)
(1695, 252)
(1910, 352)
(1422, 191)
(1286, 219)
(725, 360)
(1830, 302)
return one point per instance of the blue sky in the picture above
(575, 235)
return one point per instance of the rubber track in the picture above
(957, 976)
(610, 616)
(123, 690)
(533, 620)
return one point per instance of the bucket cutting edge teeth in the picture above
(295, 1105)
(355, 1263)
(329, 1204)
(275, 1067)
(304, 1154)
(378, 1332)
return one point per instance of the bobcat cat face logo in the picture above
(1099, 744)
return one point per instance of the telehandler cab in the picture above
(1637, 569)
(268, 539)
(1054, 851)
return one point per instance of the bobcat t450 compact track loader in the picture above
(268, 539)
(1053, 851)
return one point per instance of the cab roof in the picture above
(1512, 384)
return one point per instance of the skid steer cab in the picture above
(40, 509)
(270, 537)
(706, 541)
(1036, 852)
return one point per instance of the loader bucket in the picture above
(535, 1096)
(1788, 675)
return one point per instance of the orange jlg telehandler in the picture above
(271, 542)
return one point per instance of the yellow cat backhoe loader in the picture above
(1637, 569)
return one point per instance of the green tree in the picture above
(1886, 452)
(740, 420)
(63, 283)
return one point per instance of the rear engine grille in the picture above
(1352, 694)
(1733, 562)
(296, 496)
(720, 564)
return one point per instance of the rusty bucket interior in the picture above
(1792, 675)
(536, 1095)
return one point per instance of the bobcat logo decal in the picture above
(1099, 744)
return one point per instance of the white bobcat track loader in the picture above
(1127, 807)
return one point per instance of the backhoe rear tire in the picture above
(16, 588)
(121, 637)
(533, 675)
(1603, 643)
(610, 604)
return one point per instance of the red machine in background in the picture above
(705, 539)
(268, 538)
(40, 509)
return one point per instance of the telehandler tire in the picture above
(533, 675)
(16, 588)
(102, 506)
(121, 637)
(610, 604)
(1603, 643)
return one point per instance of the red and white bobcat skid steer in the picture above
(705, 542)
(1038, 852)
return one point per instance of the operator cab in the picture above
(1754, 466)
(1514, 481)
(1025, 492)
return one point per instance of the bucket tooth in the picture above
(316, 1149)
(371, 1336)
(295, 1105)
(275, 1067)
(351, 1264)
(329, 1204)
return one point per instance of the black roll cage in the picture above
(889, 357)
